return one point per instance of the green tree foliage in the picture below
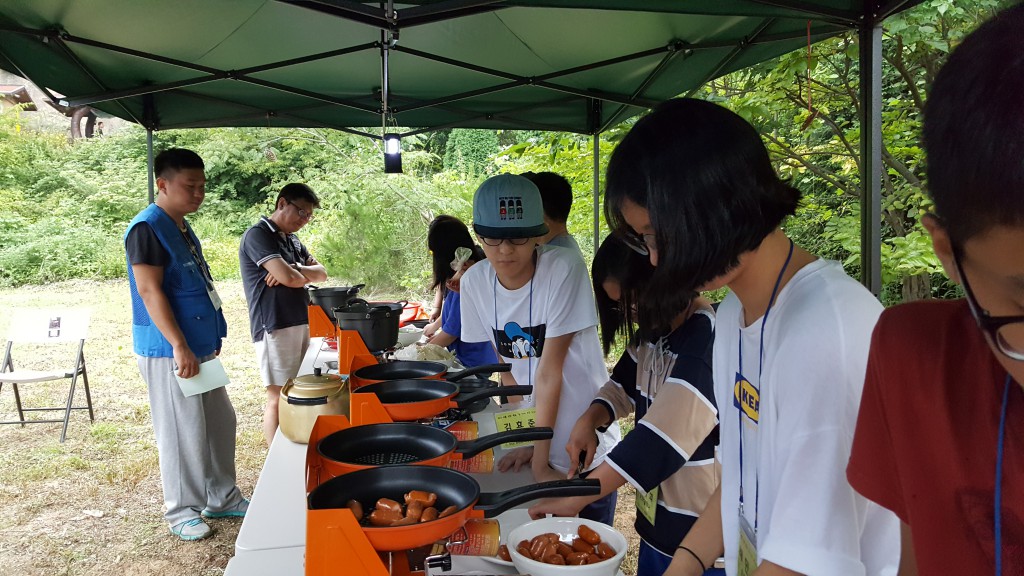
(470, 151)
(806, 107)
(572, 156)
(67, 206)
(809, 122)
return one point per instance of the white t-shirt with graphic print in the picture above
(557, 301)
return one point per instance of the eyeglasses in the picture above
(498, 241)
(302, 213)
(1005, 332)
(642, 244)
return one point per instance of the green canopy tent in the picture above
(565, 65)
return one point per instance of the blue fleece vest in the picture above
(185, 288)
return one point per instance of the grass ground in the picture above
(93, 504)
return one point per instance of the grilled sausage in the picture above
(390, 506)
(427, 498)
(589, 535)
(384, 517)
(580, 545)
(576, 559)
(414, 510)
(356, 508)
(537, 545)
(564, 549)
(554, 559)
(429, 514)
(406, 521)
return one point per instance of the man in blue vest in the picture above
(177, 324)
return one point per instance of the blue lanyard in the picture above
(999, 478)
(760, 366)
(529, 357)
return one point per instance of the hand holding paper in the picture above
(211, 376)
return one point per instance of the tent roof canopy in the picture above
(566, 65)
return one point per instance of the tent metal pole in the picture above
(597, 190)
(871, 157)
(149, 164)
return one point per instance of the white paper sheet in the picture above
(211, 376)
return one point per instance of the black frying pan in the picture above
(421, 369)
(453, 488)
(371, 445)
(408, 400)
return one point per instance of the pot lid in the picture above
(315, 385)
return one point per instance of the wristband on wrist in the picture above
(703, 568)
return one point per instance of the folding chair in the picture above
(49, 336)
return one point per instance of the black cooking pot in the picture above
(377, 325)
(330, 298)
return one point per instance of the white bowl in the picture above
(566, 529)
(409, 335)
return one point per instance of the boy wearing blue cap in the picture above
(535, 306)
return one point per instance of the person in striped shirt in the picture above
(666, 382)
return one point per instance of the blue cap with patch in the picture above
(508, 206)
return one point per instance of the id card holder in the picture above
(515, 420)
(746, 558)
(214, 297)
(647, 503)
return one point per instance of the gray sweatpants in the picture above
(195, 439)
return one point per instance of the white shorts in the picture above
(280, 354)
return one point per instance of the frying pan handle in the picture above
(485, 369)
(494, 503)
(503, 391)
(470, 448)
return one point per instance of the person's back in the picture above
(939, 435)
(556, 196)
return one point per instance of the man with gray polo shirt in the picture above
(275, 270)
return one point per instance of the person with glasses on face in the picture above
(665, 380)
(276, 267)
(535, 306)
(790, 351)
(940, 436)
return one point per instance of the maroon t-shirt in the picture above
(925, 445)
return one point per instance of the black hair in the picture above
(296, 191)
(704, 176)
(174, 160)
(974, 130)
(616, 261)
(555, 194)
(445, 234)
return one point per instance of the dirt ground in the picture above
(93, 504)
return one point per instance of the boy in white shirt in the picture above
(535, 306)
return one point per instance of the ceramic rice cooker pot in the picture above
(305, 397)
